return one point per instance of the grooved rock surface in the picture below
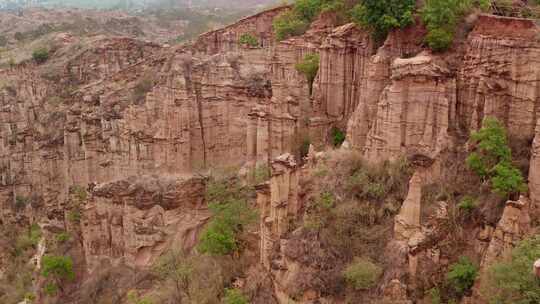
(500, 75)
(132, 221)
(412, 112)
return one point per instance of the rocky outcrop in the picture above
(132, 221)
(344, 55)
(226, 39)
(400, 43)
(499, 75)
(412, 112)
(278, 205)
(510, 230)
(534, 176)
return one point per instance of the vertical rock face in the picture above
(278, 202)
(226, 39)
(399, 43)
(412, 112)
(511, 229)
(500, 75)
(344, 55)
(132, 221)
(534, 176)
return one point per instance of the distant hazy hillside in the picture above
(137, 4)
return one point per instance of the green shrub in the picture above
(79, 192)
(288, 25)
(512, 281)
(326, 200)
(507, 179)
(40, 55)
(441, 18)
(439, 39)
(62, 237)
(50, 289)
(492, 159)
(248, 40)
(3, 41)
(383, 15)
(217, 239)
(21, 202)
(462, 275)
(234, 296)
(57, 267)
(467, 204)
(376, 182)
(362, 274)
(228, 219)
(309, 66)
(28, 240)
(338, 137)
(435, 295)
(56, 270)
(296, 21)
(74, 215)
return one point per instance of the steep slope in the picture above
(112, 144)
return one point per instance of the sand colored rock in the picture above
(499, 75)
(412, 112)
(132, 221)
(278, 202)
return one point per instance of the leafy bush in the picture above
(296, 21)
(50, 289)
(79, 192)
(441, 18)
(435, 295)
(492, 159)
(467, 204)
(217, 239)
(62, 237)
(309, 66)
(383, 15)
(338, 137)
(439, 39)
(462, 275)
(28, 240)
(326, 200)
(74, 215)
(57, 267)
(234, 296)
(513, 282)
(21, 202)
(375, 182)
(57, 270)
(288, 25)
(248, 39)
(230, 213)
(362, 274)
(40, 55)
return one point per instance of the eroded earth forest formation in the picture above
(323, 151)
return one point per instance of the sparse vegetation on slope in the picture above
(512, 281)
(309, 66)
(384, 15)
(231, 213)
(492, 159)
